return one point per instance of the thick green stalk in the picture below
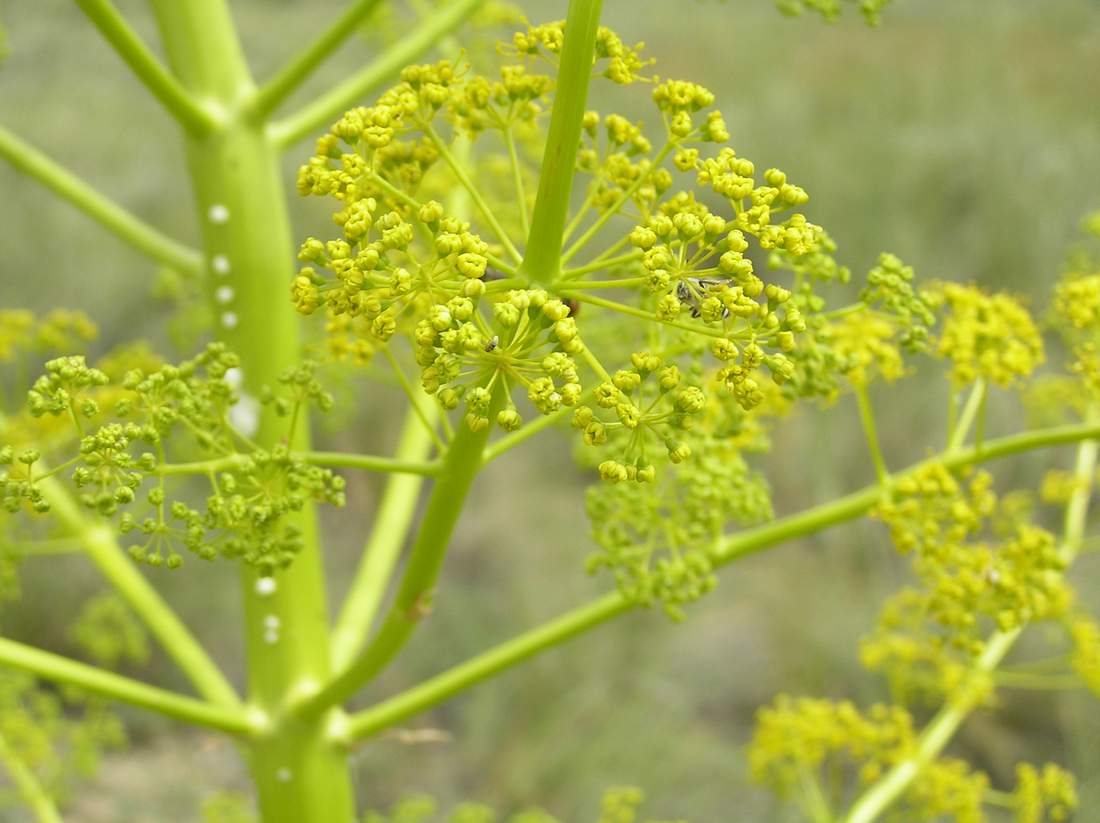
(234, 720)
(576, 621)
(334, 102)
(387, 539)
(62, 182)
(413, 600)
(542, 258)
(241, 202)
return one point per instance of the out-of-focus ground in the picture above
(962, 135)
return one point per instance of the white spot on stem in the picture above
(218, 214)
(230, 319)
(284, 775)
(220, 264)
(224, 294)
(266, 586)
(244, 417)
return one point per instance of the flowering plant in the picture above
(517, 261)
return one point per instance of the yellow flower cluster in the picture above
(1009, 579)
(986, 335)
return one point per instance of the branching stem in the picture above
(125, 225)
(276, 90)
(234, 720)
(878, 798)
(149, 70)
(457, 679)
(406, 50)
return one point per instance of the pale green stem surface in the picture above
(542, 258)
(30, 161)
(298, 775)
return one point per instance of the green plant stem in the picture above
(517, 181)
(413, 600)
(426, 414)
(601, 221)
(510, 441)
(143, 237)
(383, 548)
(620, 283)
(602, 265)
(29, 789)
(344, 460)
(461, 677)
(189, 112)
(331, 104)
(234, 720)
(459, 172)
(276, 90)
(642, 314)
(100, 544)
(816, 805)
(965, 421)
(542, 259)
(445, 685)
(881, 795)
(298, 775)
(870, 432)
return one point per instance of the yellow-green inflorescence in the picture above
(985, 569)
(662, 246)
(112, 428)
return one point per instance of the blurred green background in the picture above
(963, 136)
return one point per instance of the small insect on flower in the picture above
(492, 344)
(692, 294)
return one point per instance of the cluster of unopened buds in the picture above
(116, 455)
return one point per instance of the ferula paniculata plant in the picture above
(517, 258)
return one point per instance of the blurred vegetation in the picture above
(961, 135)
